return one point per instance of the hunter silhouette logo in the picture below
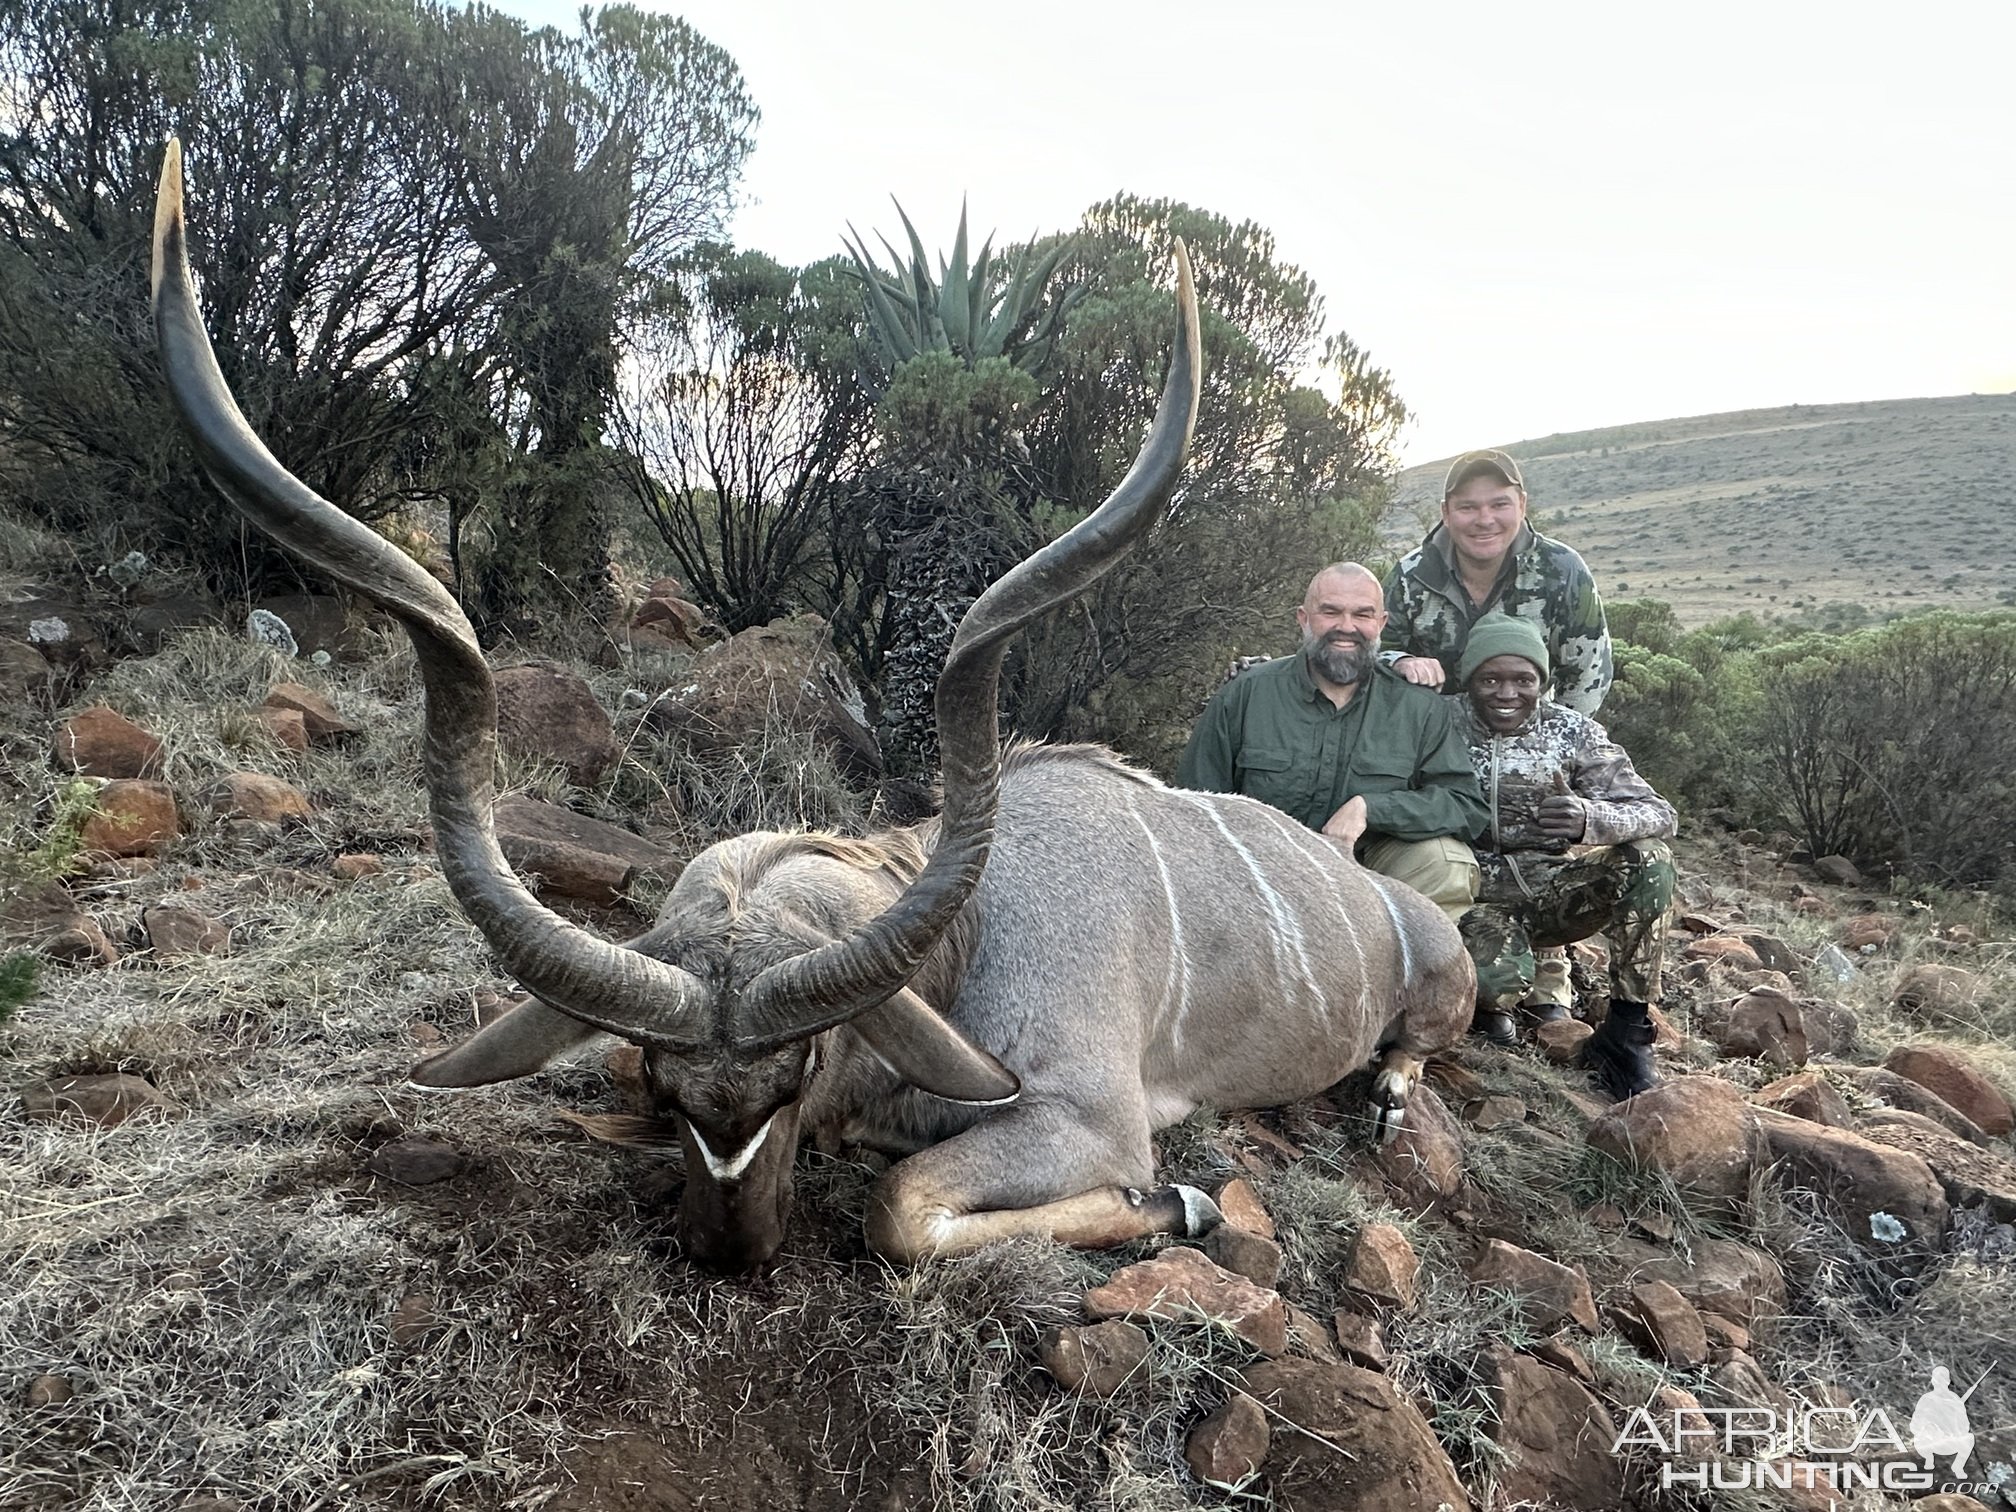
(1939, 1424)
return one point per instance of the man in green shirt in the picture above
(1346, 746)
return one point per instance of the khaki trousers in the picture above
(1442, 870)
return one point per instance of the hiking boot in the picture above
(1546, 1013)
(1496, 1025)
(1551, 987)
(1619, 1053)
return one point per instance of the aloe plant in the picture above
(988, 307)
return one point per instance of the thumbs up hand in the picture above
(1562, 816)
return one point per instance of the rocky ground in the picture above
(247, 1267)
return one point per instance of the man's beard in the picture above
(1343, 657)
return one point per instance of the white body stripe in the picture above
(1177, 984)
(1399, 929)
(1285, 923)
(731, 1170)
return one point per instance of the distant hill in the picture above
(1896, 504)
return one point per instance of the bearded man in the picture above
(1346, 746)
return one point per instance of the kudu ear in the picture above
(528, 1038)
(927, 1052)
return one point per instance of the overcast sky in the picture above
(1540, 217)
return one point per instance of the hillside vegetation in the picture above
(1895, 504)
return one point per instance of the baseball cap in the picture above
(1467, 466)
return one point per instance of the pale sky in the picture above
(1540, 217)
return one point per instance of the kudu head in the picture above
(732, 995)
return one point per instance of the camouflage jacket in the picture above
(1428, 613)
(1517, 771)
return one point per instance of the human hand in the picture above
(1423, 671)
(1562, 815)
(1348, 823)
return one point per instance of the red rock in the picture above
(574, 856)
(1308, 1339)
(1937, 993)
(673, 617)
(1767, 1026)
(1555, 1350)
(547, 711)
(130, 817)
(1806, 1095)
(1664, 1324)
(357, 865)
(288, 729)
(1253, 1256)
(1947, 1501)
(1097, 1360)
(105, 1100)
(1561, 1040)
(1555, 1436)
(1724, 950)
(100, 742)
(1494, 1112)
(1948, 1075)
(1839, 870)
(1344, 1440)
(1969, 1175)
(1723, 1333)
(1867, 929)
(1183, 1283)
(1227, 1448)
(256, 796)
(1724, 1277)
(1865, 1181)
(176, 932)
(1549, 1293)
(1383, 1267)
(1888, 1089)
(1242, 1208)
(1423, 1164)
(1695, 1129)
(319, 719)
(1361, 1339)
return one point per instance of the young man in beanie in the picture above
(1484, 558)
(1555, 781)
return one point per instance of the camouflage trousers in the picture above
(1621, 892)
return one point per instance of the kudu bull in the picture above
(1014, 996)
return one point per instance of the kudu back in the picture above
(1013, 996)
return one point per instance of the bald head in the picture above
(1342, 576)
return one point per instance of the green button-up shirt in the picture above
(1272, 734)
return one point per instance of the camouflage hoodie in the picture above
(1517, 771)
(1428, 613)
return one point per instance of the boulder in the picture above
(1806, 1095)
(1723, 950)
(1739, 1381)
(56, 625)
(1763, 1025)
(784, 673)
(1228, 1447)
(1695, 1129)
(1664, 1324)
(1561, 1040)
(1095, 1360)
(1344, 1440)
(1969, 1175)
(1839, 870)
(1950, 1076)
(105, 1100)
(1308, 1338)
(1723, 1277)
(1868, 931)
(1831, 1028)
(1555, 1350)
(1383, 1266)
(1423, 1164)
(548, 711)
(1555, 1436)
(1934, 992)
(1887, 1089)
(256, 796)
(24, 671)
(1184, 1283)
(1494, 1112)
(151, 623)
(1549, 1294)
(48, 920)
(1865, 1182)
(677, 619)
(1361, 1339)
(575, 856)
(323, 725)
(1772, 951)
(130, 817)
(101, 742)
(173, 932)
(354, 866)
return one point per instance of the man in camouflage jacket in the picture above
(1557, 785)
(1484, 558)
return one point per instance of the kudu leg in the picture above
(1398, 1075)
(1028, 1171)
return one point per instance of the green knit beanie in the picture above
(1501, 634)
